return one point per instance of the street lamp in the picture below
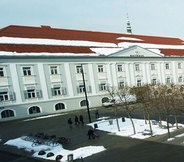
(87, 103)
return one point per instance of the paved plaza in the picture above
(119, 149)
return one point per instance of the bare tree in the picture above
(144, 94)
(124, 94)
(113, 92)
(165, 98)
(175, 100)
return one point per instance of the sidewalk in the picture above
(119, 149)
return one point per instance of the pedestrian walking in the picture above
(70, 122)
(96, 113)
(90, 134)
(76, 120)
(81, 119)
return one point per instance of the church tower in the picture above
(129, 29)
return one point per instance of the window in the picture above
(154, 81)
(121, 84)
(4, 96)
(167, 66)
(79, 69)
(32, 93)
(105, 99)
(139, 82)
(168, 80)
(120, 68)
(102, 87)
(100, 68)
(59, 106)
(34, 110)
(83, 103)
(80, 88)
(179, 65)
(7, 114)
(180, 79)
(26, 71)
(137, 68)
(56, 91)
(153, 67)
(54, 70)
(1, 72)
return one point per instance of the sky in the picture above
(147, 17)
(104, 124)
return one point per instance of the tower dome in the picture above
(129, 29)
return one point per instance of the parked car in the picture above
(116, 100)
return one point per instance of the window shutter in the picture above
(171, 80)
(64, 91)
(52, 90)
(78, 90)
(25, 94)
(12, 96)
(119, 84)
(39, 93)
(100, 88)
(89, 89)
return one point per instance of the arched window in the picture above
(59, 106)
(7, 113)
(34, 110)
(105, 99)
(83, 103)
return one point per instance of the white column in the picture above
(15, 82)
(174, 72)
(130, 78)
(68, 78)
(91, 78)
(146, 73)
(114, 78)
(162, 72)
(43, 83)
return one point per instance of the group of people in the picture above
(77, 121)
(91, 132)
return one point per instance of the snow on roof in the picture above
(44, 40)
(150, 46)
(2, 53)
(37, 41)
(128, 38)
(105, 51)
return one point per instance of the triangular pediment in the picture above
(135, 51)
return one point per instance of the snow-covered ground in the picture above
(105, 124)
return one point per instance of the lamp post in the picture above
(87, 104)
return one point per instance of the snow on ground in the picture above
(104, 124)
(126, 128)
(58, 150)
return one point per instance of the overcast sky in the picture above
(147, 17)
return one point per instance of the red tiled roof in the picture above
(21, 48)
(46, 32)
(67, 34)
(172, 52)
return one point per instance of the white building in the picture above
(40, 67)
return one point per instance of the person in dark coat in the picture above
(81, 119)
(90, 133)
(96, 113)
(76, 120)
(70, 122)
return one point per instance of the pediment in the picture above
(135, 51)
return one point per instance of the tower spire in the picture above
(129, 29)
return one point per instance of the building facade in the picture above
(33, 83)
